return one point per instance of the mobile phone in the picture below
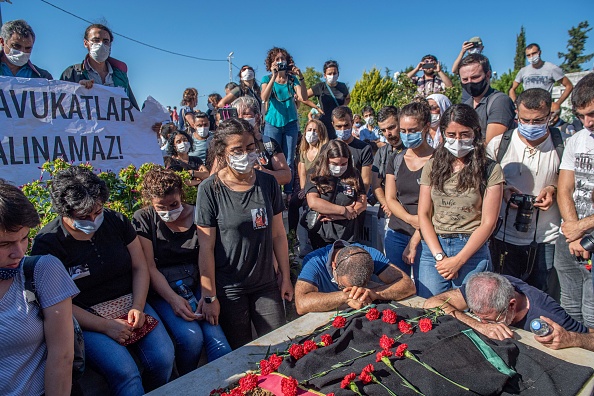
(227, 112)
(429, 66)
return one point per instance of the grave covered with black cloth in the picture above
(460, 356)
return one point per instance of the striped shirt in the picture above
(22, 343)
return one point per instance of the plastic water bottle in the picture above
(186, 293)
(540, 327)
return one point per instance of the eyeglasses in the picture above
(536, 121)
(241, 152)
(98, 40)
(499, 319)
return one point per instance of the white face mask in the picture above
(435, 119)
(369, 120)
(251, 121)
(202, 132)
(311, 137)
(171, 215)
(474, 50)
(210, 106)
(18, 58)
(247, 75)
(534, 60)
(183, 147)
(337, 170)
(243, 163)
(99, 51)
(459, 147)
(331, 79)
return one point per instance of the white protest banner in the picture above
(42, 120)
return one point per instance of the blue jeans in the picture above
(394, 245)
(577, 296)
(432, 283)
(114, 362)
(190, 337)
(286, 136)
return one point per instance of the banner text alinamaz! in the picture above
(36, 150)
(63, 105)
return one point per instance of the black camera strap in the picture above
(532, 250)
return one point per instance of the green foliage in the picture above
(454, 93)
(378, 91)
(520, 58)
(574, 58)
(124, 189)
(312, 77)
(504, 82)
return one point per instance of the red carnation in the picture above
(365, 377)
(400, 350)
(216, 391)
(265, 367)
(309, 346)
(339, 322)
(236, 392)
(380, 355)
(289, 386)
(405, 327)
(425, 325)
(346, 381)
(326, 339)
(249, 382)
(386, 342)
(389, 316)
(372, 314)
(296, 351)
(330, 394)
(275, 361)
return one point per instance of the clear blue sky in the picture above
(359, 35)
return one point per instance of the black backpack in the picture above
(506, 140)
(78, 365)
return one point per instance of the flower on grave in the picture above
(389, 316)
(289, 386)
(401, 350)
(309, 346)
(265, 367)
(384, 353)
(296, 351)
(275, 361)
(348, 382)
(405, 382)
(405, 327)
(372, 314)
(249, 382)
(339, 322)
(386, 342)
(326, 339)
(217, 392)
(425, 325)
(367, 376)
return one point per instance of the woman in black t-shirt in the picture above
(240, 228)
(247, 87)
(103, 255)
(168, 237)
(403, 172)
(335, 190)
(179, 145)
(330, 94)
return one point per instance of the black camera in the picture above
(587, 242)
(525, 205)
(282, 66)
(429, 66)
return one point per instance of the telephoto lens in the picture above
(587, 242)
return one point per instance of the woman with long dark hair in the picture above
(178, 148)
(247, 87)
(240, 231)
(335, 190)
(460, 195)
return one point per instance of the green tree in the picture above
(574, 57)
(504, 82)
(373, 90)
(312, 77)
(520, 58)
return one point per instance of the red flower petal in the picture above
(249, 382)
(346, 381)
(275, 361)
(425, 325)
(386, 342)
(389, 316)
(339, 322)
(289, 386)
(365, 377)
(372, 314)
(309, 346)
(326, 339)
(265, 367)
(405, 327)
(380, 355)
(296, 351)
(400, 350)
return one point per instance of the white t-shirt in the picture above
(578, 157)
(543, 77)
(529, 171)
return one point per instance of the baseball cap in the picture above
(477, 40)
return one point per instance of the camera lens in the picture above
(587, 242)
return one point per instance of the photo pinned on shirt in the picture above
(262, 159)
(347, 190)
(79, 271)
(259, 218)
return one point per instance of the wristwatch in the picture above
(209, 300)
(439, 256)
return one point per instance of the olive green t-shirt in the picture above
(457, 212)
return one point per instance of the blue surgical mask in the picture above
(88, 226)
(412, 140)
(532, 132)
(344, 134)
(8, 273)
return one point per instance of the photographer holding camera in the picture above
(530, 156)
(433, 80)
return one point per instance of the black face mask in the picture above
(474, 89)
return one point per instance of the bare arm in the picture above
(302, 174)
(568, 88)
(206, 263)
(425, 210)
(310, 92)
(309, 299)
(59, 339)
(281, 252)
(494, 129)
(347, 100)
(444, 77)
(414, 71)
(228, 99)
(512, 90)
(281, 171)
(379, 193)
(366, 176)
(397, 285)
(267, 87)
(395, 206)
(560, 338)
(140, 283)
(322, 206)
(465, 47)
